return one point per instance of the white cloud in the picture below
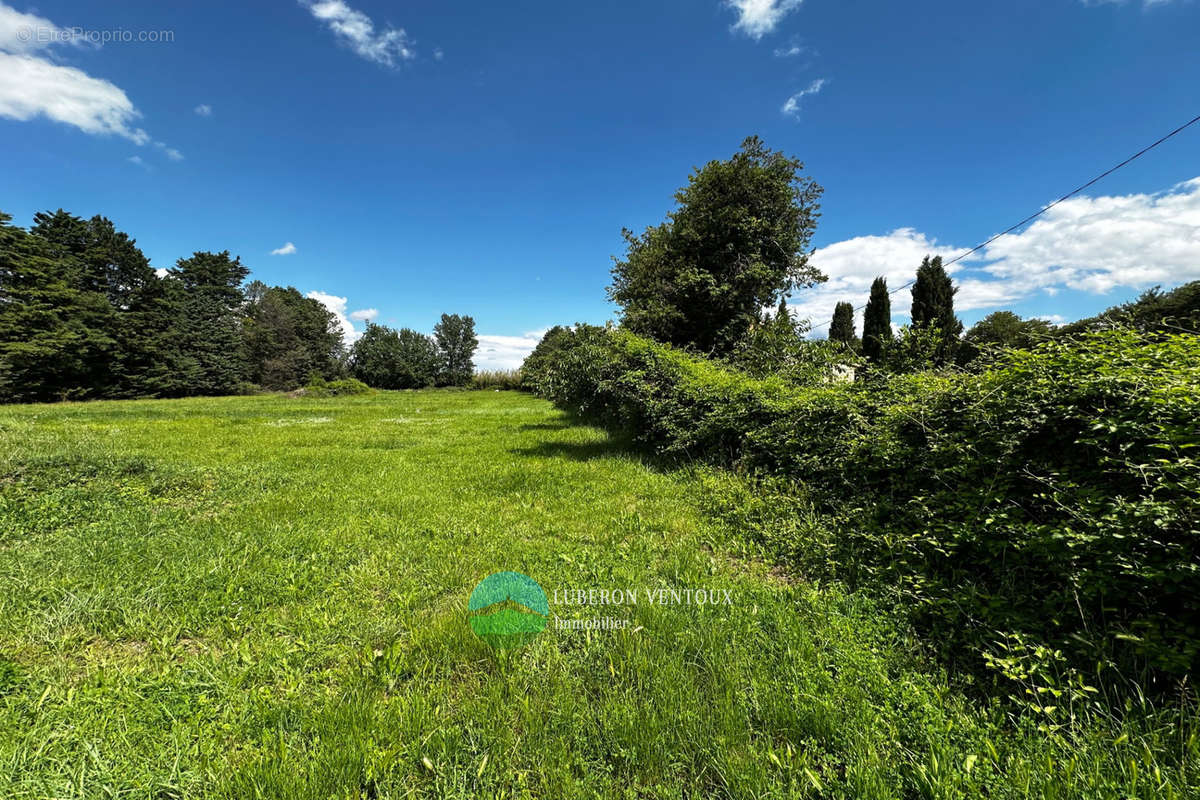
(505, 352)
(1089, 244)
(162, 273)
(203, 110)
(789, 51)
(137, 160)
(759, 17)
(31, 87)
(287, 250)
(792, 107)
(356, 30)
(365, 315)
(1096, 244)
(24, 33)
(169, 152)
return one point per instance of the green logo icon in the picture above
(508, 609)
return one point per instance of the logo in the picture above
(508, 609)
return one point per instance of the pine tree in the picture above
(210, 326)
(56, 325)
(933, 306)
(842, 327)
(877, 320)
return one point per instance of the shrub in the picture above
(543, 355)
(1054, 494)
(319, 387)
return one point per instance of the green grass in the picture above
(267, 597)
(508, 627)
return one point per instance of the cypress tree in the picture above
(842, 327)
(933, 306)
(877, 320)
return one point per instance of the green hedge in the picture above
(1054, 494)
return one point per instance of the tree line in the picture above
(84, 315)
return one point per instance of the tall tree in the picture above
(737, 240)
(456, 344)
(389, 359)
(841, 329)
(374, 355)
(210, 325)
(933, 306)
(110, 263)
(288, 337)
(57, 327)
(877, 320)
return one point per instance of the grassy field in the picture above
(267, 597)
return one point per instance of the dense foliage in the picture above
(1054, 495)
(1175, 311)
(391, 359)
(737, 241)
(1001, 329)
(289, 337)
(319, 387)
(544, 354)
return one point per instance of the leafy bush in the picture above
(1054, 494)
(779, 347)
(543, 356)
(319, 387)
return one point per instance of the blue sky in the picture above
(482, 158)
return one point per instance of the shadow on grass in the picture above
(616, 444)
(579, 451)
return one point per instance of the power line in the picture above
(1032, 217)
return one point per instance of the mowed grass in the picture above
(266, 597)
